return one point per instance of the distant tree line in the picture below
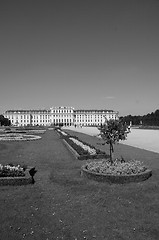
(151, 119)
(4, 121)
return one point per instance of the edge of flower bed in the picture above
(93, 157)
(118, 179)
(71, 149)
(83, 157)
(27, 179)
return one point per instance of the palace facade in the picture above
(56, 116)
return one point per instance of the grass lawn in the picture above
(63, 205)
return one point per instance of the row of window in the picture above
(88, 120)
(62, 116)
(62, 120)
(41, 121)
(28, 121)
(28, 116)
(48, 116)
(88, 117)
(41, 116)
(62, 111)
(95, 116)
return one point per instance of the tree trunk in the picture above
(111, 152)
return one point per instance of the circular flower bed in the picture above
(18, 137)
(118, 172)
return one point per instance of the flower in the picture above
(117, 168)
(90, 150)
(18, 137)
(11, 170)
(62, 132)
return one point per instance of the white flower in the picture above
(118, 168)
(62, 132)
(90, 150)
(11, 168)
(18, 137)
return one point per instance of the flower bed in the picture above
(10, 170)
(61, 132)
(118, 172)
(36, 131)
(16, 175)
(18, 137)
(84, 150)
(118, 167)
(91, 151)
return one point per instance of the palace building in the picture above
(56, 116)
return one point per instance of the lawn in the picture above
(63, 205)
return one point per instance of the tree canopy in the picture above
(113, 131)
(4, 121)
(151, 119)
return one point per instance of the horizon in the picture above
(86, 54)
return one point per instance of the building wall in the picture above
(40, 117)
(60, 115)
(93, 117)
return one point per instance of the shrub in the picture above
(111, 132)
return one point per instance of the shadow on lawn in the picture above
(67, 180)
(71, 179)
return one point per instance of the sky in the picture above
(88, 54)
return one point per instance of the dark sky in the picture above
(80, 53)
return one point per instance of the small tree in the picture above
(4, 121)
(111, 132)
